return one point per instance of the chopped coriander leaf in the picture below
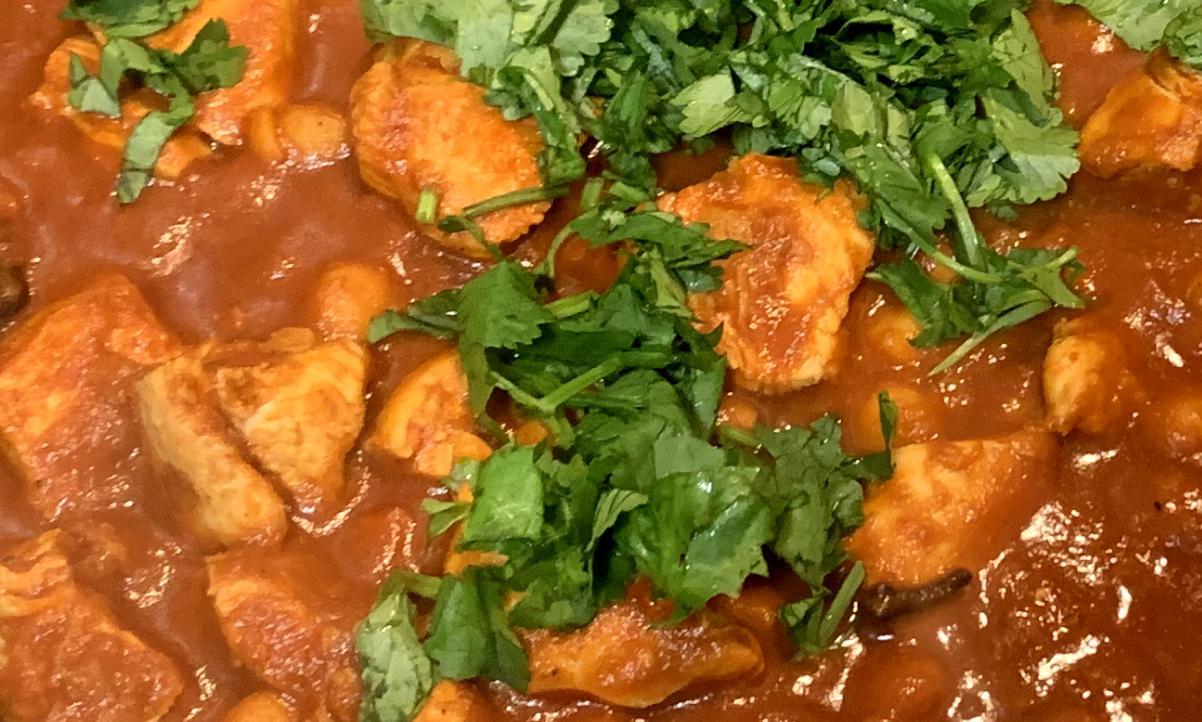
(89, 93)
(146, 142)
(703, 529)
(854, 89)
(470, 635)
(1140, 23)
(128, 18)
(443, 515)
(435, 316)
(1183, 38)
(631, 481)
(208, 63)
(397, 675)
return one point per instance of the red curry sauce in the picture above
(1093, 613)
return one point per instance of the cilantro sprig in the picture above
(1175, 25)
(637, 478)
(1140, 23)
(862, 89)
(208, 63)
(128, 18)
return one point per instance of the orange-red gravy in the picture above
(1092, 614)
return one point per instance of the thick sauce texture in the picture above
(1093, 611)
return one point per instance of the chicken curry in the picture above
(600, 360)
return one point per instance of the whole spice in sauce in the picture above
(881, 603)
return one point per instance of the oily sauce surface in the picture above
(1093, 613)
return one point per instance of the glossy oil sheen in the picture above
(1093, 613)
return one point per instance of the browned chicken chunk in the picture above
(1151, 120)
(1086, 382)
(66, 421)
(348, 296)
(262, 707)
(235, 504)
(452, 702)
(290, 406)
(299, 410)
(63, 656)
(427, 419)
(626, 657)
(181, 150)
(951, 504)
(409, 114)
(782, 301)
(307, 135)
(266, 27)
(282, 622)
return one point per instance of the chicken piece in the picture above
(284, 621)
(1151, 120)
(268, 29)
(300, 411)
(184, 146)
(452, 702)
(185, 428)
(295, 405)
(417, 124)
(262, 707)
(309, 136)
(63, 655)
(626, 657)
(952, 504)
(782, 301)
(65, 376)
(348, 296)
(427, 419)
(1086, 382)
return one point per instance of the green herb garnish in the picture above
(128, 18)
(1140, 23)
(636, 479)
(397, 674)
(862, 89)
(208, 63)
(1183, 38)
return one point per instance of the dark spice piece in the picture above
(884, 602)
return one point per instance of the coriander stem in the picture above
(966, 272)
(743, 437)
(514, 198)
(968, 245)
(553, 250)
(454, 224)
(838, 607)
(427, 206)
(1013, 317)
(571, 305)
(516, 393)
(566, 391)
